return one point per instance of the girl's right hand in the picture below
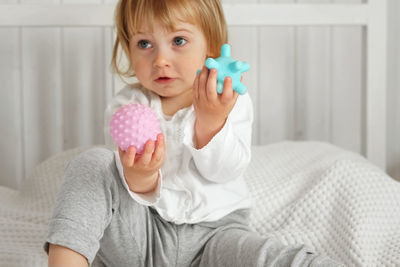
(141, 171)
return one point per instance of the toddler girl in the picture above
(183, 201)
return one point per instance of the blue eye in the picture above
(144, 44)
(179, 41)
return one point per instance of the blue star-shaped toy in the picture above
(227, 66)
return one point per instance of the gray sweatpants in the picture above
(95, 216)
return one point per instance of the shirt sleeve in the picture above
(83, 208)
(228, 153)
(149, 199)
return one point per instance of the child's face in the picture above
(166, 62)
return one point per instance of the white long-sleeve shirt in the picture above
(195, 184)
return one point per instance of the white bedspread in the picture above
(304, 192)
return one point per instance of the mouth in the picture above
(164, 80)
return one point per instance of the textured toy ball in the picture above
(134, 125)
(227, 66)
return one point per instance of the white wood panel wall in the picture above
(307, 83)
(393, 108)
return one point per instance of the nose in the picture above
(162, 58)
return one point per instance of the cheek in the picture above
(139, 66)
(197, 61)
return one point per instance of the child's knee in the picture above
(94, 160)
(96, 157)
(95, 167)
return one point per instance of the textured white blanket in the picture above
(304, 192)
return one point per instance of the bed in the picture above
(334, 200)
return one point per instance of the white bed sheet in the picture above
(304, 192)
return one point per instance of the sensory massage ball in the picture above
(227, 66)
(134, 125)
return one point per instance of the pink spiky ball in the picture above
(134, 125)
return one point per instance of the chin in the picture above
(164, 94)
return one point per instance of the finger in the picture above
(196, 86)
(128, 157)
(202, 83)
(145, 158)
(241, 78)
(235, 96)
(227, 93)
(159, 151)
(212, 85)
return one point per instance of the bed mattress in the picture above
(315, 193)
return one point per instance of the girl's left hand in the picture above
(212, 109)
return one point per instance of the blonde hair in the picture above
(130, 14)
